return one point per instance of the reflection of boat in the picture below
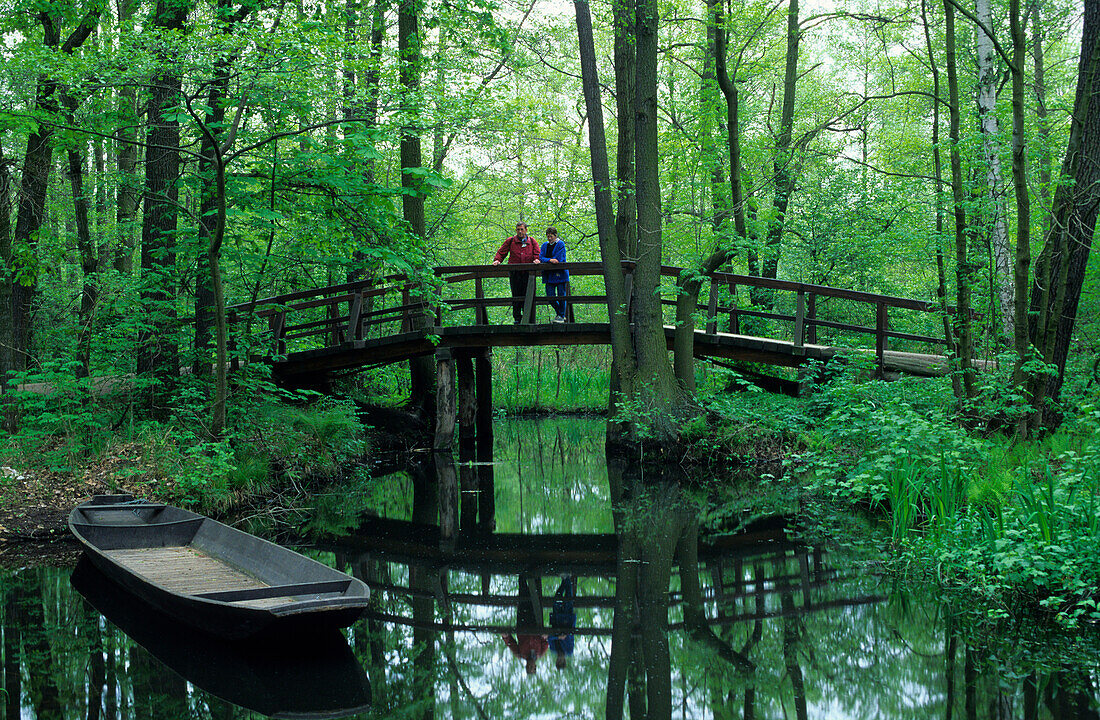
(318, 679)
(209, 575)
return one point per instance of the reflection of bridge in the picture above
(745, 570)
(373, 322)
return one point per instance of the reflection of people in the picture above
(529, 647)
(553, 252)
(563, 619)
(519, 249)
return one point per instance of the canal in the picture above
(561, 584)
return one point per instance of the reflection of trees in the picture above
(657, 525)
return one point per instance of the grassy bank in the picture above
(1012, 528)
(95, 439)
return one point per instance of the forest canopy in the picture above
(162, 160)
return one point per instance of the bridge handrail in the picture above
(350, 310)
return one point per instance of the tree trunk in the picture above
(733, 125)
(157, 350)
(782, 165)
(16, 323)
(610, 255)
(987, 115)
(626, 220)
(127, 195)
(937, 189)
(89, 258)
(1060, 270)
(421, 369)
(964, 269)
(7, 286)
(658, 392)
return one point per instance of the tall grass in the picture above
(568, 379)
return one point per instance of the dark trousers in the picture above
(518, 282)
(557, 290)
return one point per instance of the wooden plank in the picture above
(799, 322)
(712, 309)
(184, 569)
(354, 329)
(278, 591)
(811, 317)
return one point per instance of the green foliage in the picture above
(569, 379)
(1013, 527)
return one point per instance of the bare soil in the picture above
(35, 505)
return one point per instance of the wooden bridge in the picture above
(459, 313)
(376, 322)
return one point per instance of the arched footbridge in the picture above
(315, 333)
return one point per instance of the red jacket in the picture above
(526, 644)
(515, 251)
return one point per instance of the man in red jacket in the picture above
(519, 249)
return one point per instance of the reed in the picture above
(570, 379)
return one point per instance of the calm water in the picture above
(692, 600)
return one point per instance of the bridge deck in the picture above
(728, 346)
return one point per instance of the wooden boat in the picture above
(208, 575)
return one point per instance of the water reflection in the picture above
(317, 679)
(688, 601)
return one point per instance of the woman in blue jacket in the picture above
(557, 281)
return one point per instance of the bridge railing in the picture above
(391, 306)
(723, 302)
(457, 296)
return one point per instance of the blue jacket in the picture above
(557, 252)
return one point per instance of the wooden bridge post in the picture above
(529, 299)
(735, 317)
(444, 401)
(467, 404)
(881, 344)
(800, 324)
(712, 308)
(481, 312)
(277, 323)
(354, 330)
(811, 316)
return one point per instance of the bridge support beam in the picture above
(483, 403)
(444, 401)
(467, 405)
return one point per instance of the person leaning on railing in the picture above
(553, 252)
(518, 249)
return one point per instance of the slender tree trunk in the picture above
(127, 193)
(1042, 124)
(783, 164)
(409, 44)
(7, 287)
(610, 255)
(213, 121)
(964, 269)
(157, 350)
(938, 190)
(708, 125)
(89, 257)
(733, 125)
(987, 116)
